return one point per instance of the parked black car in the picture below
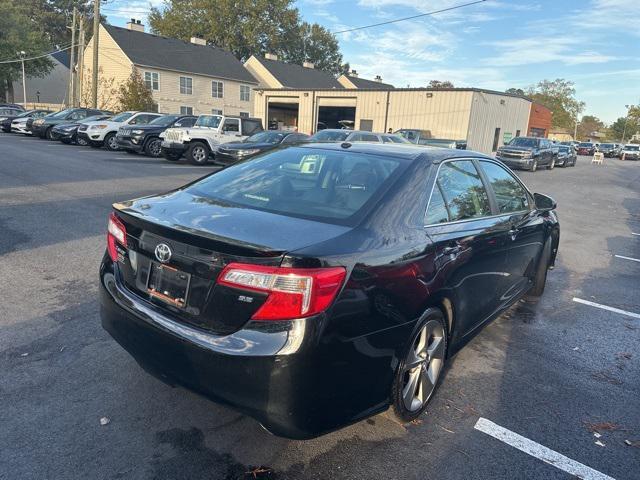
(10, 109)
(233, 152)
(527, 153)
(586, 148)
(42, 127)
(317, 285)
(566, 156)
(145, 138)
(68, 132)
(609, 150)
(415, 135)
(5, 120)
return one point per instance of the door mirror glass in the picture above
(543, 202)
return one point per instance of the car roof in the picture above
(407, 151)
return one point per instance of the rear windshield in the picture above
(265, 137)
(564, 148)
(583, 144)
(607, 145)
(325, 185)
(330, 136)
(633, 148)
(524, 142)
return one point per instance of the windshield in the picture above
(324, 185)
(633, 148)
(266, 137)
(211, 121)
(564, 148)
(122, 117)
(28, 113)
(164, 121)
(607, 145)
(585, 144)
(95, 118)
(60, 114)
(330, 136)
(524, 142)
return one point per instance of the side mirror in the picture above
(543, 202)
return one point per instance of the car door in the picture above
(468, 242)
(525, 228)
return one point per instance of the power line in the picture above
(37, 56)
(455, 7)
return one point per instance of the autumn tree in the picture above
(440, 84)
(247, 27)
(558, 96)
(589, 125)
(134, 94)
(107, 91)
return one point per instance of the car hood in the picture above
(21, 120)
(108, 123)
(246, 146)
(218, 221)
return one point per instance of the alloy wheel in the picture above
(155, 148)
(81, 141)
(423, 365)
(112, 143)
(534, 166)
(199, 154)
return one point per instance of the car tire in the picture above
(540, 279)
(534, 166)
(110, 142)
(81, 141)
(198, 153)
(153, 148)
(420, 371)
(552, 164)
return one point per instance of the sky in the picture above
(496, 44)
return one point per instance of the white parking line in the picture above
(627, 258)
(185, 166)
(539, 451)
(638, 234)
(606, 307)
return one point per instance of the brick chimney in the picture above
(353, 74)
(308, 65)
(198, 41)
(135, 25)
(271, 56)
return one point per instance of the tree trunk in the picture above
(3, 90)
(10, 96)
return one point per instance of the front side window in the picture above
(186, 85)
(325, 185)
(217, 89)
(152, 80)
(231, 125)
(245, 93)
(510, 194)
(184, 110)
(462, 191)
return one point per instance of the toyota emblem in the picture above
(163, 252)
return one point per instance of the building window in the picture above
(216, 111)
(244, 114)
(245, 93)
(186, 110)
(217, 89)
(186, 85)
(152, 80)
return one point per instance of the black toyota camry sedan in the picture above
(314, 286)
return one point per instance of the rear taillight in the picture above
(116, 234)
(292, 292)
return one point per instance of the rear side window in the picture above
(325, 185)
(363, 137)
(510, 194)
(437, 211)
(462, 191)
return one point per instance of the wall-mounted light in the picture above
(306, 94)
(429, 94)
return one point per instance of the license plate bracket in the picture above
(168, 284)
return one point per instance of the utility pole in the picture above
(72, 63)
(575, 130)
(80, 72)
(22, 55)
(96, 34)
(626, 119)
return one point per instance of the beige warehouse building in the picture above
(485, 119)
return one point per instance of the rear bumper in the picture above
(274, 372)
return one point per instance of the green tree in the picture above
(135, 95)
(617, 128)
(559, 96)
(19, 33)
(440, 84)
(247, 27)
(589, 125)
(515, 91)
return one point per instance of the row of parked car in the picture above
(629, 151)
(532, 153)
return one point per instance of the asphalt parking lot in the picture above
(548, 390)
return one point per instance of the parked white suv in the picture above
(103, 132)
(199, 142)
